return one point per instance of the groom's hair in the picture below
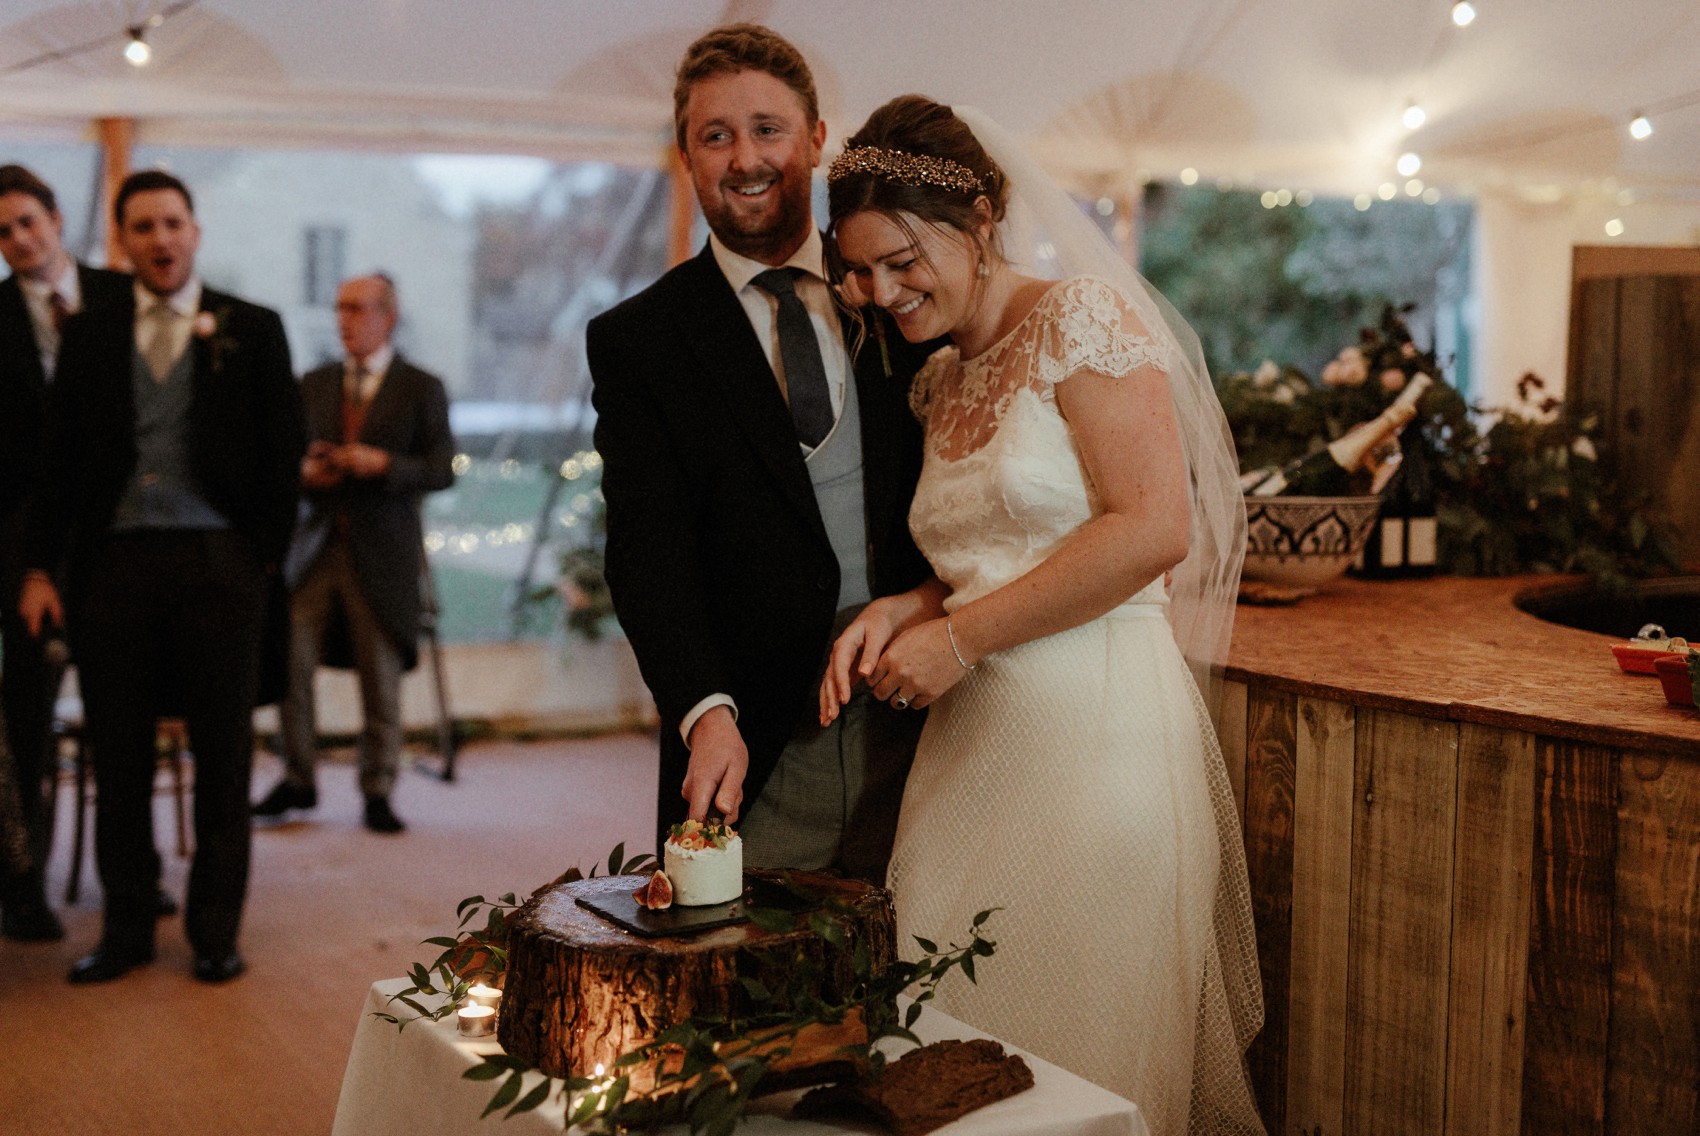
(733, 48)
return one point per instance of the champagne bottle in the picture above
(1348, 466)
(1404, 542)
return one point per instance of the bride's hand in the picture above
(919, 665)
(856, 652)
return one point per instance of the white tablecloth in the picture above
(409, 1083)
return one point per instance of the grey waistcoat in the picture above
(835, 470)
(162, 493)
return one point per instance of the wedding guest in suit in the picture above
(758, 469)
(46, 285)
(378, 430)
(167, 488)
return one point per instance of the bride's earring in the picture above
(983, 271)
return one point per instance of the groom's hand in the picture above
(719, 761)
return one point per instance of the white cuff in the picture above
(702, 708)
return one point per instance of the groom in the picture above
(758, 474)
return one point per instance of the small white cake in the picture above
(704, 862)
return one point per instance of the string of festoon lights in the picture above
(131, 40)
(577, 509)
(1638, 122)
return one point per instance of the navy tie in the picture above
(799, 351)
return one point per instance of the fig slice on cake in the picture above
(656, 894)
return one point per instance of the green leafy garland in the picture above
(710, 1067)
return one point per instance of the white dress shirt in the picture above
(38, 298)
(375, 367)
(185, 304)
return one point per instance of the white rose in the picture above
(1265, 375)
(1583, 447)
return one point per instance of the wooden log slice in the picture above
(580, 991)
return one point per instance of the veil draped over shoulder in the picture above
(1045, 232)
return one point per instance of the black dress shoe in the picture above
(27, 919)
(164, 907)
(380, 817)
(219, 968)
(108, 961)
(286, 795)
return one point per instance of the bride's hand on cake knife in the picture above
(714, 779)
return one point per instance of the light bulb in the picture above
(1362, 202)
(1614, 228)
(1414, 116)
(1409, 164)
(1463, 13)
(1639, 127)
(1414, 187)
(1189, 176)
(137, 50)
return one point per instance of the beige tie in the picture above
(160, 355)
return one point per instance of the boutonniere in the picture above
(210, 326)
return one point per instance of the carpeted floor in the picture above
(331, 908)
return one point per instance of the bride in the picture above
(1079, 506)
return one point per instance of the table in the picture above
(408, 1083)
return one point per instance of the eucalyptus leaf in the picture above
(911, 1014)
(505, 1095)
(772, 919)
(968, 968)
(927, 945)
(538, 1094)
(488, 1071)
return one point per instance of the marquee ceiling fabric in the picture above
(1533, 99)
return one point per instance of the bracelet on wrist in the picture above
(950, 633)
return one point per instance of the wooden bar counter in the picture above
(1474, 848)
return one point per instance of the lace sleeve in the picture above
(921, 386)
(1095, 329)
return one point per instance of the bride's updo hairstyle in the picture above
(914, 158)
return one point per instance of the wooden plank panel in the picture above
(1230, 731)
(1593, 353)
(1322, 888)
(1270, 728)
(1653, 1083)
(1405, 788)
(1569, 985)
(1490, 931)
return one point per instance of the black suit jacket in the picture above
(409, 418)
(246, 438)
(720, 567)
(23, 395)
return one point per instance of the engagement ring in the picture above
(900, 702)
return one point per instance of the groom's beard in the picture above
(768, 231)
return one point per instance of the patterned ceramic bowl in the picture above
(1305, 542)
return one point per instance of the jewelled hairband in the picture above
(900, 165)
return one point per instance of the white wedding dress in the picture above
(1074, 781)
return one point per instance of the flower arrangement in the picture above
(1518, 489)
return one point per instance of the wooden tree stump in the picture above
(580, 991)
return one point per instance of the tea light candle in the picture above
(477, 1021)
(483, 995)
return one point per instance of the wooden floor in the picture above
(331, 908)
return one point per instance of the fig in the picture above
(656, 894)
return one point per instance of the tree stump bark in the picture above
(580, 991)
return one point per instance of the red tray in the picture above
(1672, 670)
(1635, 658)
